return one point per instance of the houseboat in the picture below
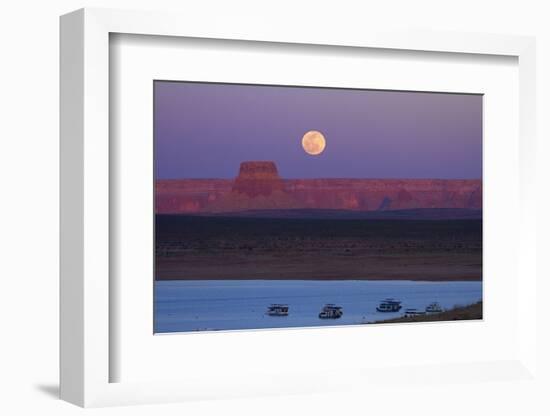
(412, 312)
(434, 307)
(389, 305)
(277, 309)
(331, 311)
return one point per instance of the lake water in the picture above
(198, 305)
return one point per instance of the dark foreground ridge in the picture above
(225, 247)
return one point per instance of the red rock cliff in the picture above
(259, 186)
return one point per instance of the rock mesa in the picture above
(258, 185)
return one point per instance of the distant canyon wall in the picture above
(259, 186)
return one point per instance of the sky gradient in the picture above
(205, 130)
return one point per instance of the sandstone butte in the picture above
(258, 185)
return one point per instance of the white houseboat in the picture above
(331, 311)
(434, 307)
(389, 305)
(412, 312)
(277, 309)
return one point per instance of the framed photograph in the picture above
(354, 220)
(245, 213)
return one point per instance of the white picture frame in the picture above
(86, 290)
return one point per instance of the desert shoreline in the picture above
(470, 312)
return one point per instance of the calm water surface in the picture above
(198, 305)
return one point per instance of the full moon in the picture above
(314, 142)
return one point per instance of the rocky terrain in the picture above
(259, 186)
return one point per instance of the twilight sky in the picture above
(206, 130)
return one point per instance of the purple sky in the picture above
(206, 130)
